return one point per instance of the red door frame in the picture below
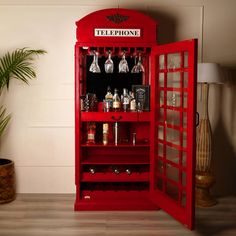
(184, 215)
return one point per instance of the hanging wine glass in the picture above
(139, 66)
(123, 65)
(94, 67)
(109, 65)
(134, 69)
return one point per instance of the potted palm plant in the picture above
(16, 65)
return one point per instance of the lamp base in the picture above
(203, 183)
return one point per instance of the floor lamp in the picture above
(208, 73)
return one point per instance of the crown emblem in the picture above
(117, 18)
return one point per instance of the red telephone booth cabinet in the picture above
(142, 158)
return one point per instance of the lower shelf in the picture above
(114, 200)
(111, 177)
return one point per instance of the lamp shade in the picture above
(209, 73)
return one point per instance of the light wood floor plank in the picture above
(53, 215)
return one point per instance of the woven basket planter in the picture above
(7, 181)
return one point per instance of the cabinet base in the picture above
(106, 200)
(84, 205)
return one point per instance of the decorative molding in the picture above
(117, 18)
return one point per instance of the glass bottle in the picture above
(105, 133)
(116, 105)
(91, 131)
(108, 100)
(116, 133)
(132, 102)
(125, 100)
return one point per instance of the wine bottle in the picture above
(132, 102)
(125, 100)
(105, 132)
(116, 133)
(108, 100)
(116, 101)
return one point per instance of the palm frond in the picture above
(18, 65)
(4, 119)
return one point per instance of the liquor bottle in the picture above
(116, 133)
(132, 102)
(116, 101)
(105, 132)
(91, 131)
(108, 100)
(125, 100)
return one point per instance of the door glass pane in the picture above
(159, 184)
(185, 59)
(183, 199)
(173, 80)
(173, 136)
(184, 159)
(161, 79)
(185, 100)
(160, 167)
(161, 62)
(173, 60)
(160, 150)
(172, 191)
(173, 99)
(184, 139)
(185, 79)
(173, 117)
(185, 119)
(183, 179)
(161, 115)
(160, 132)
(172, 154)
(172, 173)
(161, 98)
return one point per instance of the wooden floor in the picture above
(43, 215)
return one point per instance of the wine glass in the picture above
(139, 66)
(134, 69)
(109, 65)
(123, 65)
(94, 67)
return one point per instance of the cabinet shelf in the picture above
(112, 194)
(101, 116)
(109, 116)
(100, 145)
(117, 160)
(112, 177)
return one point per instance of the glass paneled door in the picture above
(173, 128)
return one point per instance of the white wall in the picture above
(40, 138)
